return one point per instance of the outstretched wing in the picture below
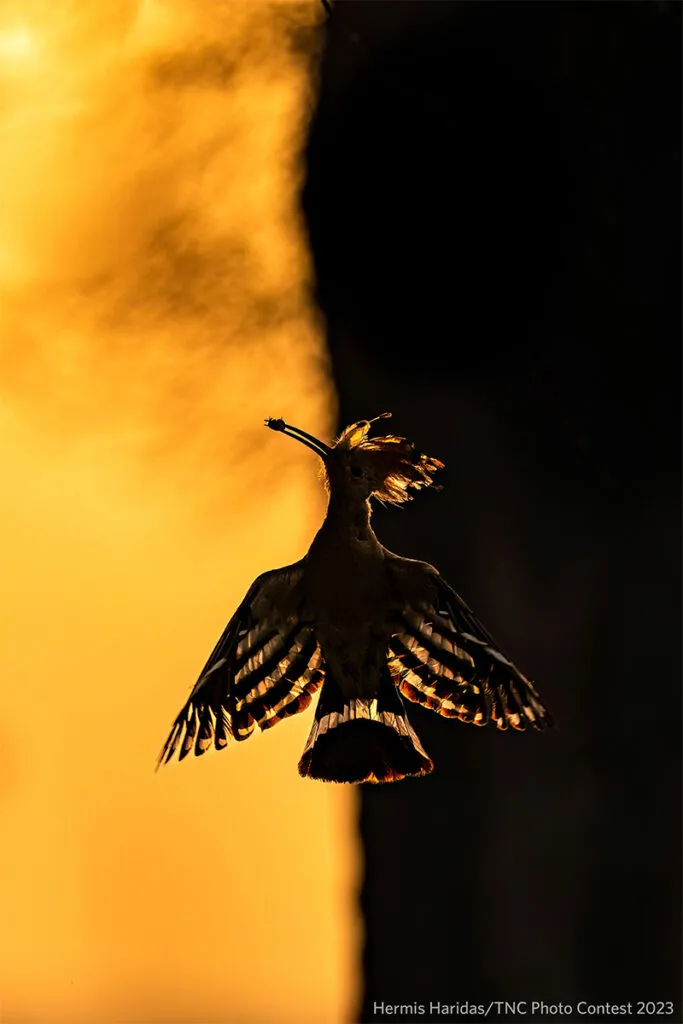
(443, 658)
(265, 667)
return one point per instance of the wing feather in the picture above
(443, 658)
(264, 668)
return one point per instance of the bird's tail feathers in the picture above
(362, 739)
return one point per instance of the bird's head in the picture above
(388, 468)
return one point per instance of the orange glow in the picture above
(155, 309)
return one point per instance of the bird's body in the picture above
(348, 591)
(367, 626)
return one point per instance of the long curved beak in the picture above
(319, 447)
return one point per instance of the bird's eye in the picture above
(356, 471)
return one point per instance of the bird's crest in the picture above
(396, 465)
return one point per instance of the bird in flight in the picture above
(362, 625)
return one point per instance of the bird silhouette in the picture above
(363, 625)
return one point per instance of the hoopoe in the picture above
(363, 625)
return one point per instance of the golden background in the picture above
(155, 308)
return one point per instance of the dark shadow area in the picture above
(493, 202)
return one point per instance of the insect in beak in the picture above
(319, 447)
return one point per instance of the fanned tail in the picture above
(362, 739)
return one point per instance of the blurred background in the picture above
(467, 213)
(493, 199)
(155, 308)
